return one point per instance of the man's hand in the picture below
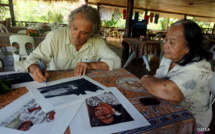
(81, 68)
(37, 73)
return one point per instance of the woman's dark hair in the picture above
(194, 40)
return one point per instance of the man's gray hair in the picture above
(91, 14)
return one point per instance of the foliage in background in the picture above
(34, 11)
(4, 10)
(39, 11)
(120, 22)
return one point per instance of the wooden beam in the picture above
(151, 10)
(4, 4)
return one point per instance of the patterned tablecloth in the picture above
(164, 118)
(142, 47)
(4, 39)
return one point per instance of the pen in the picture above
(43, 70)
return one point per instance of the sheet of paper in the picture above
(107, 113)
(25, 110)
(64, 92)
(18, 79)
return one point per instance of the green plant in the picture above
(110, 23)
(4, 12)
(5, 86)
(53, 16)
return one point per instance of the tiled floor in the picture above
(136, 66)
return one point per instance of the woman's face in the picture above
(81, 30)
(174, 46)
(104, 113)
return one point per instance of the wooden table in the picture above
(140, 49)
(164, 118)
(4, 39)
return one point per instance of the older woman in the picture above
(184, 72)
(77, 47)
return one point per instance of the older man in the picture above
(77, 47)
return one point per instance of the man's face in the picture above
(81, 30)
(104, 112)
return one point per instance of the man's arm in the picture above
(162, 88)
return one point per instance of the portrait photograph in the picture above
(107, 112)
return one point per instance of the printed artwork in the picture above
(105, 109)
(16, 78)
(28, 115)
(106, 113)
(76, 87)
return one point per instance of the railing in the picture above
(112, 32)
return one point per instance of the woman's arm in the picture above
(163, 88)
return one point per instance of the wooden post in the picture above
(98, 7)
(129, 12)
(185, 16)
(125, 51)
(8, 25)
(12, 13)
(86, 2)
(146, 12)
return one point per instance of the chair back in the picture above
(21, 40)
(3, 29)
(22, 31)
(212, 87)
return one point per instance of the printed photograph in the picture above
(16, 78)
(105, 109)
(30, 114)
(74, 87)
